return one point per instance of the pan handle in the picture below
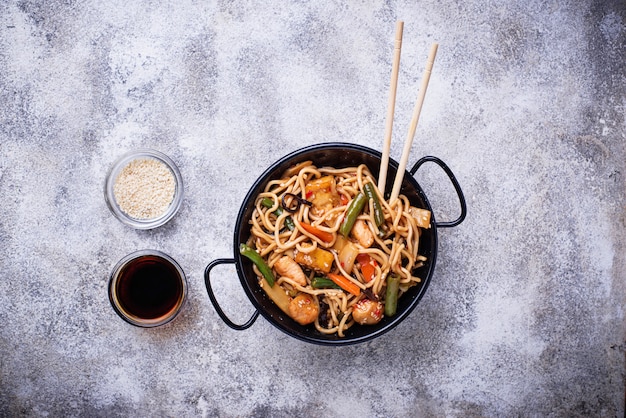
(218, 309)
(455, 183)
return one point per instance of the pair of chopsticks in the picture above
(382, 177)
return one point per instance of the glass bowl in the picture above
(147, 288)
(129, 215)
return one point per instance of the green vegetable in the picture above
(354, 210)
(371, 194)
(391, 296)
(268, 203)
(323, 283)
(256, 258)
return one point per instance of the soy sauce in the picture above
(149, 287)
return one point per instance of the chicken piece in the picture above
(287, 267)
(422, 216)
(362, 233)
(304, 309)
(368, 312)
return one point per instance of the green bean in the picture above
(354, 210)
(379, 217)
(323, 283)
(268, 203)
(256, 258)
(391, 295)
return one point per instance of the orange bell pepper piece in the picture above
(368, 266)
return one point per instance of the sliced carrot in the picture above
(345, 284)
(368, 266)
(323, 235)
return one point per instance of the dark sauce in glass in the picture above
(149, 287)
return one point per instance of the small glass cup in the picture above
(116, 169)
(147, 288)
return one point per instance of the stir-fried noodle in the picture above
(327, 273)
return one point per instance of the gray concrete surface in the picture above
(525, 312)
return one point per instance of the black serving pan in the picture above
(336, 155)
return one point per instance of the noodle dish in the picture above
(329, 251)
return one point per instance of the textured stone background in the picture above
(525, 312)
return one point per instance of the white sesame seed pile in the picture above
(145, 188)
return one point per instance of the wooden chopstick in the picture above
(391, 105)
(413, 125)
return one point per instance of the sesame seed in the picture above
(145, 188)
